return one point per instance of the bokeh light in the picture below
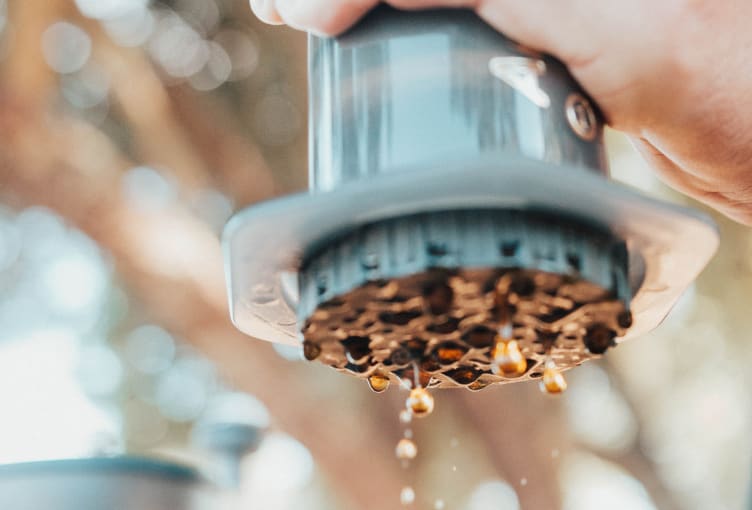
(99, 370)
(590, 483)
(147, 189)
(493, 494)
(131, 28)
(3, 14)
(45, 413)
(66, 47)
(235, 407)
(598, 413)
(281, 467)
(86, 88)
(10, 242)
(178, 48)
(73, 283)
(150, 349)
(110, 9)
(205, 16)
(242, 50)
(216, 70)
(182, 392)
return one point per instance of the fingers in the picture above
(540, 24)
(425, 4)
(546, 25)
(736, 206)
(331, 17)
(266, 11)
(668, 171)
(533, 23)
(326, 17)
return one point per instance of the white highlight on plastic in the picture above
(522, 73)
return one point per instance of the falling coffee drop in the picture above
(407, 496)
(406, 416)
(420, 402)
(508, 359)
(406, 449)
(553, 381)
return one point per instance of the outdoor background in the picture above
(129, 132)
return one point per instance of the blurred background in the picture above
(130, 130)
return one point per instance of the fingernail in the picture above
(266, 11)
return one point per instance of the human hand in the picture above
(675, 75)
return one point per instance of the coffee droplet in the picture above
(553, 381)
(406, 449)
(508, 359)
(420, 402)
(407, 496)
(406, 416)
(378, 383)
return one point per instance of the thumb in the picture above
(266, 11)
